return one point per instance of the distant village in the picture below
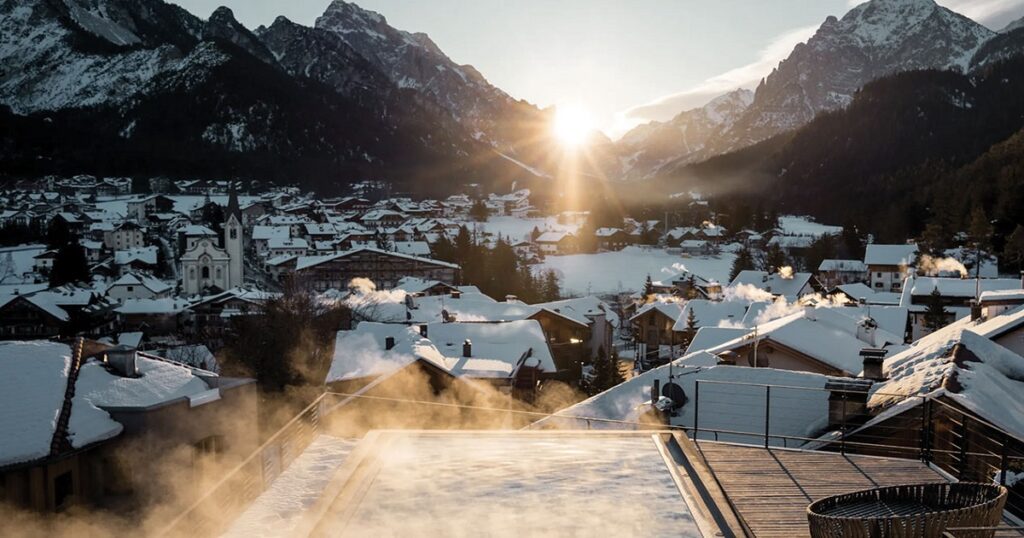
(126, 315)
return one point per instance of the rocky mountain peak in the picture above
(222, 26)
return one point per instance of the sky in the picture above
(626, 61)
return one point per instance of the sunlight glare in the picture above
(573, 124)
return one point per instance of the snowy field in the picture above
(515, 484)
(16, 261)
(280, 508)
(793, 225)
(627, 269)
(518, 228)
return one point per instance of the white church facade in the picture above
(207, 266)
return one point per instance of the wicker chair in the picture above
(922, 510)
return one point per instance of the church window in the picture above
(206, 272)
(234, 233)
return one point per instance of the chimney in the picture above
(389, 343)
(423, 331)
(467, 348)
(456, 294)
(975, 310)
(727, 358)
(511, 298)
(123, 360)
(873, 359)
(655, 391)
(847, 400)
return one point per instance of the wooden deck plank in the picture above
(771, 489)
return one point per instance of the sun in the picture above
(573, 125)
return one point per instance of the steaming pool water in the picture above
(494, 484)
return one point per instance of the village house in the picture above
(611, 238)
(385, 269)
(652, 332)
(833, 273)
(137, 286)
(889, 265)
(140, 209)
(556, 243)
(105, 426)
(785, 283)
(125, 236)
(955, 295)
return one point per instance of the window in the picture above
(879, 275)
(206, 271)
(218, 272)
(234, 233)
(192, 272)
(131, 289)
(878, 284)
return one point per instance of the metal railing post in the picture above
(696, 408)
(767, 412)
(927, 431)
(1004, 464)
(963, 447)
(842, 428)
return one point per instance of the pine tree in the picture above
(648, 288)
(1013, 250)
(58, 234)
(774, 258)
(691, 325)
(382, 241)
(605, 374)
(70, 265)
(935, 315)
(551, 290)
(980, 234)
(744, 262)
(479, 211)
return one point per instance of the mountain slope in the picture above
(414, 61)
(882, 161)
(207, 98)
(873, 40)
(646, 148)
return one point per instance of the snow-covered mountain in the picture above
(414, 61)
(144, 87)
(646, 148)
(874, 39)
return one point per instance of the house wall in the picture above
(1013, 340)
(887, 277)
(135, 291)
(770, 355)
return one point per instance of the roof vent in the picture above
(456, 294)
(389, 343)
(873, 359)
(467, 348)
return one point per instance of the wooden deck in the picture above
(770, 489)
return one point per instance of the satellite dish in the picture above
(674, 392)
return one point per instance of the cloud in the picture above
(746, 76)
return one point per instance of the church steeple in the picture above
(233, 208)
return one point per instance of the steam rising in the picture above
(928, 265)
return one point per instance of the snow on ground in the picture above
(518, 228)
(627, 269)
(16, 261)
(794, 225)
(280, 508)
(516, 484)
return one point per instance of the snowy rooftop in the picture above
(498, 349)
(775, 283)
(33, 380)
(711, 313)
(843, 265)
(960, 287)
(963, 365)
(890, 254)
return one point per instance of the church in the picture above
(208, 267)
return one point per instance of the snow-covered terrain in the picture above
(626, 270)
(518, 228)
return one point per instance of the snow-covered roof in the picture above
(960, 287)
(305, 262)
(196, 230)
(33, 382)
(606, 232)
(994, 296)
(854, 266)
(711, 337)
(859, 290)
(876, 254)
(147, 255)
(166, 306)
(711, 313)
(775, 283)
(498, 349)
(671, 309)
(270, 232)
(154, 285)
(277, 243)
(960, 364)
(552, 237)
